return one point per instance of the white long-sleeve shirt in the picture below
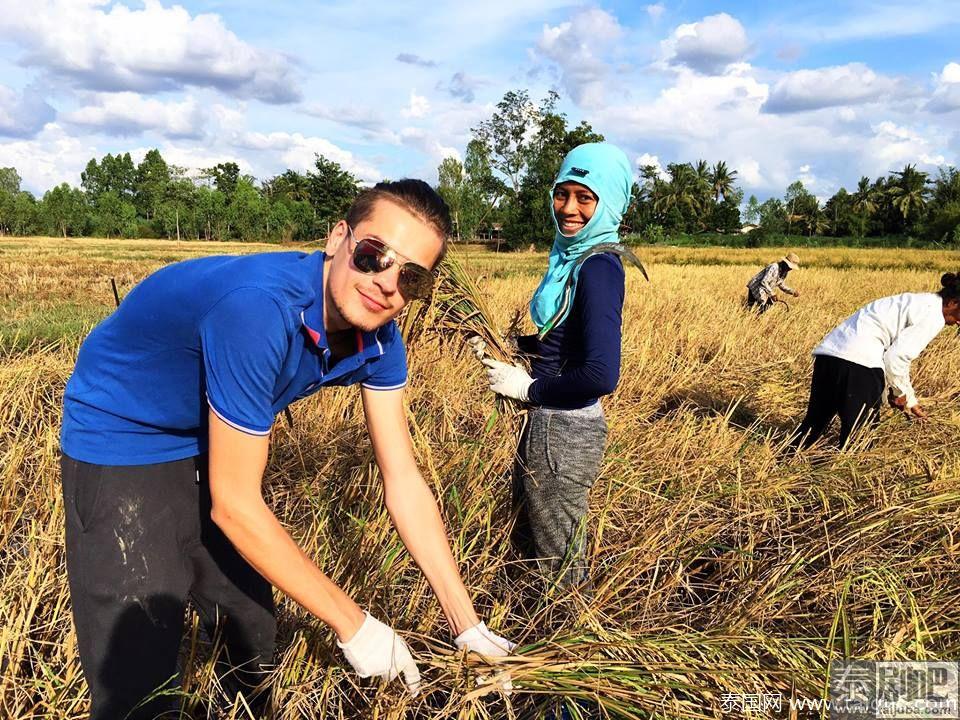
(888, 333)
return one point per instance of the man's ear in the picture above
(336, 238)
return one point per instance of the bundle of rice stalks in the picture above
(458, 307)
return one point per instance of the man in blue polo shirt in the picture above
(165, 439)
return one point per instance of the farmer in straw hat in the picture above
(874, 346)
(575, 359)
(762, 288)
(165, 438)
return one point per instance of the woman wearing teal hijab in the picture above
(575, 360)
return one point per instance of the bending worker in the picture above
(165, 438)
(762, 288)
(577, 310)
(872, 347)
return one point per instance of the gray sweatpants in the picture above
(557, 463)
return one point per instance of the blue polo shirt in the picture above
(243, 336)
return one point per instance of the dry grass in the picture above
(721, 564)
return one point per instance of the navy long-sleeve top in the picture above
(579, 360)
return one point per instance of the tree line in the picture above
(156, 199)
(503, 184)
(512, 158)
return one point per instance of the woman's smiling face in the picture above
(573, 206)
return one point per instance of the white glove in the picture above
(509, 380)
(480, 639)
(376, 650)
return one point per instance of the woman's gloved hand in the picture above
(508, 380)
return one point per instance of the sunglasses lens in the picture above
(371, 257)
(415, 282)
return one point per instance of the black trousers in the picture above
(757, 305)
(840, 387)
(140, 543)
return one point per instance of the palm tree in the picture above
(721, 178)
(864, 202)
(702, 184)
(679, 192)
(909, 191)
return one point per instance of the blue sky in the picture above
(818, 91)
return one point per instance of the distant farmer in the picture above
(575, 359)
(874, 346)
(166, 432)
(762, 288)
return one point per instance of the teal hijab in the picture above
(605, 169)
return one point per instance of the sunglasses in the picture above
(373, 256)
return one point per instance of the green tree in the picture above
(722, 180)
(752, 212)
(113, 216)
(839, 214)
(177, 210)
(65, 210)
(211, 209)
(331, 191)
(480, 173)
(909, 192)
(225, 177)
(25, 218)
(247, 211)
(863, 205)
(943, 210)
(152, 178)
(9, 180)
(506, 135)
(464, 199)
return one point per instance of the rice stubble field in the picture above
(721, 563)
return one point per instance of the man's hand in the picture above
(376, 650)
(917, 413)
(480, 639)
(509, 380)
(796, 293)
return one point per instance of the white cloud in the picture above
(112, 47)
(893, 146)
(851, 84)
(129, 113)
(297, 151)
(648, 159)
(50, 158)
(951, 73)
(709, 45)
(419, 106)
(24, 114)
(426, 143)
(576, 47)
(946, 95)
(655, 11)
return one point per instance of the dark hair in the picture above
(415, 196)
(950, 289)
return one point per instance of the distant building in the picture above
(748, 228)
(491, 232)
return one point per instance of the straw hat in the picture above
(792, 261)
